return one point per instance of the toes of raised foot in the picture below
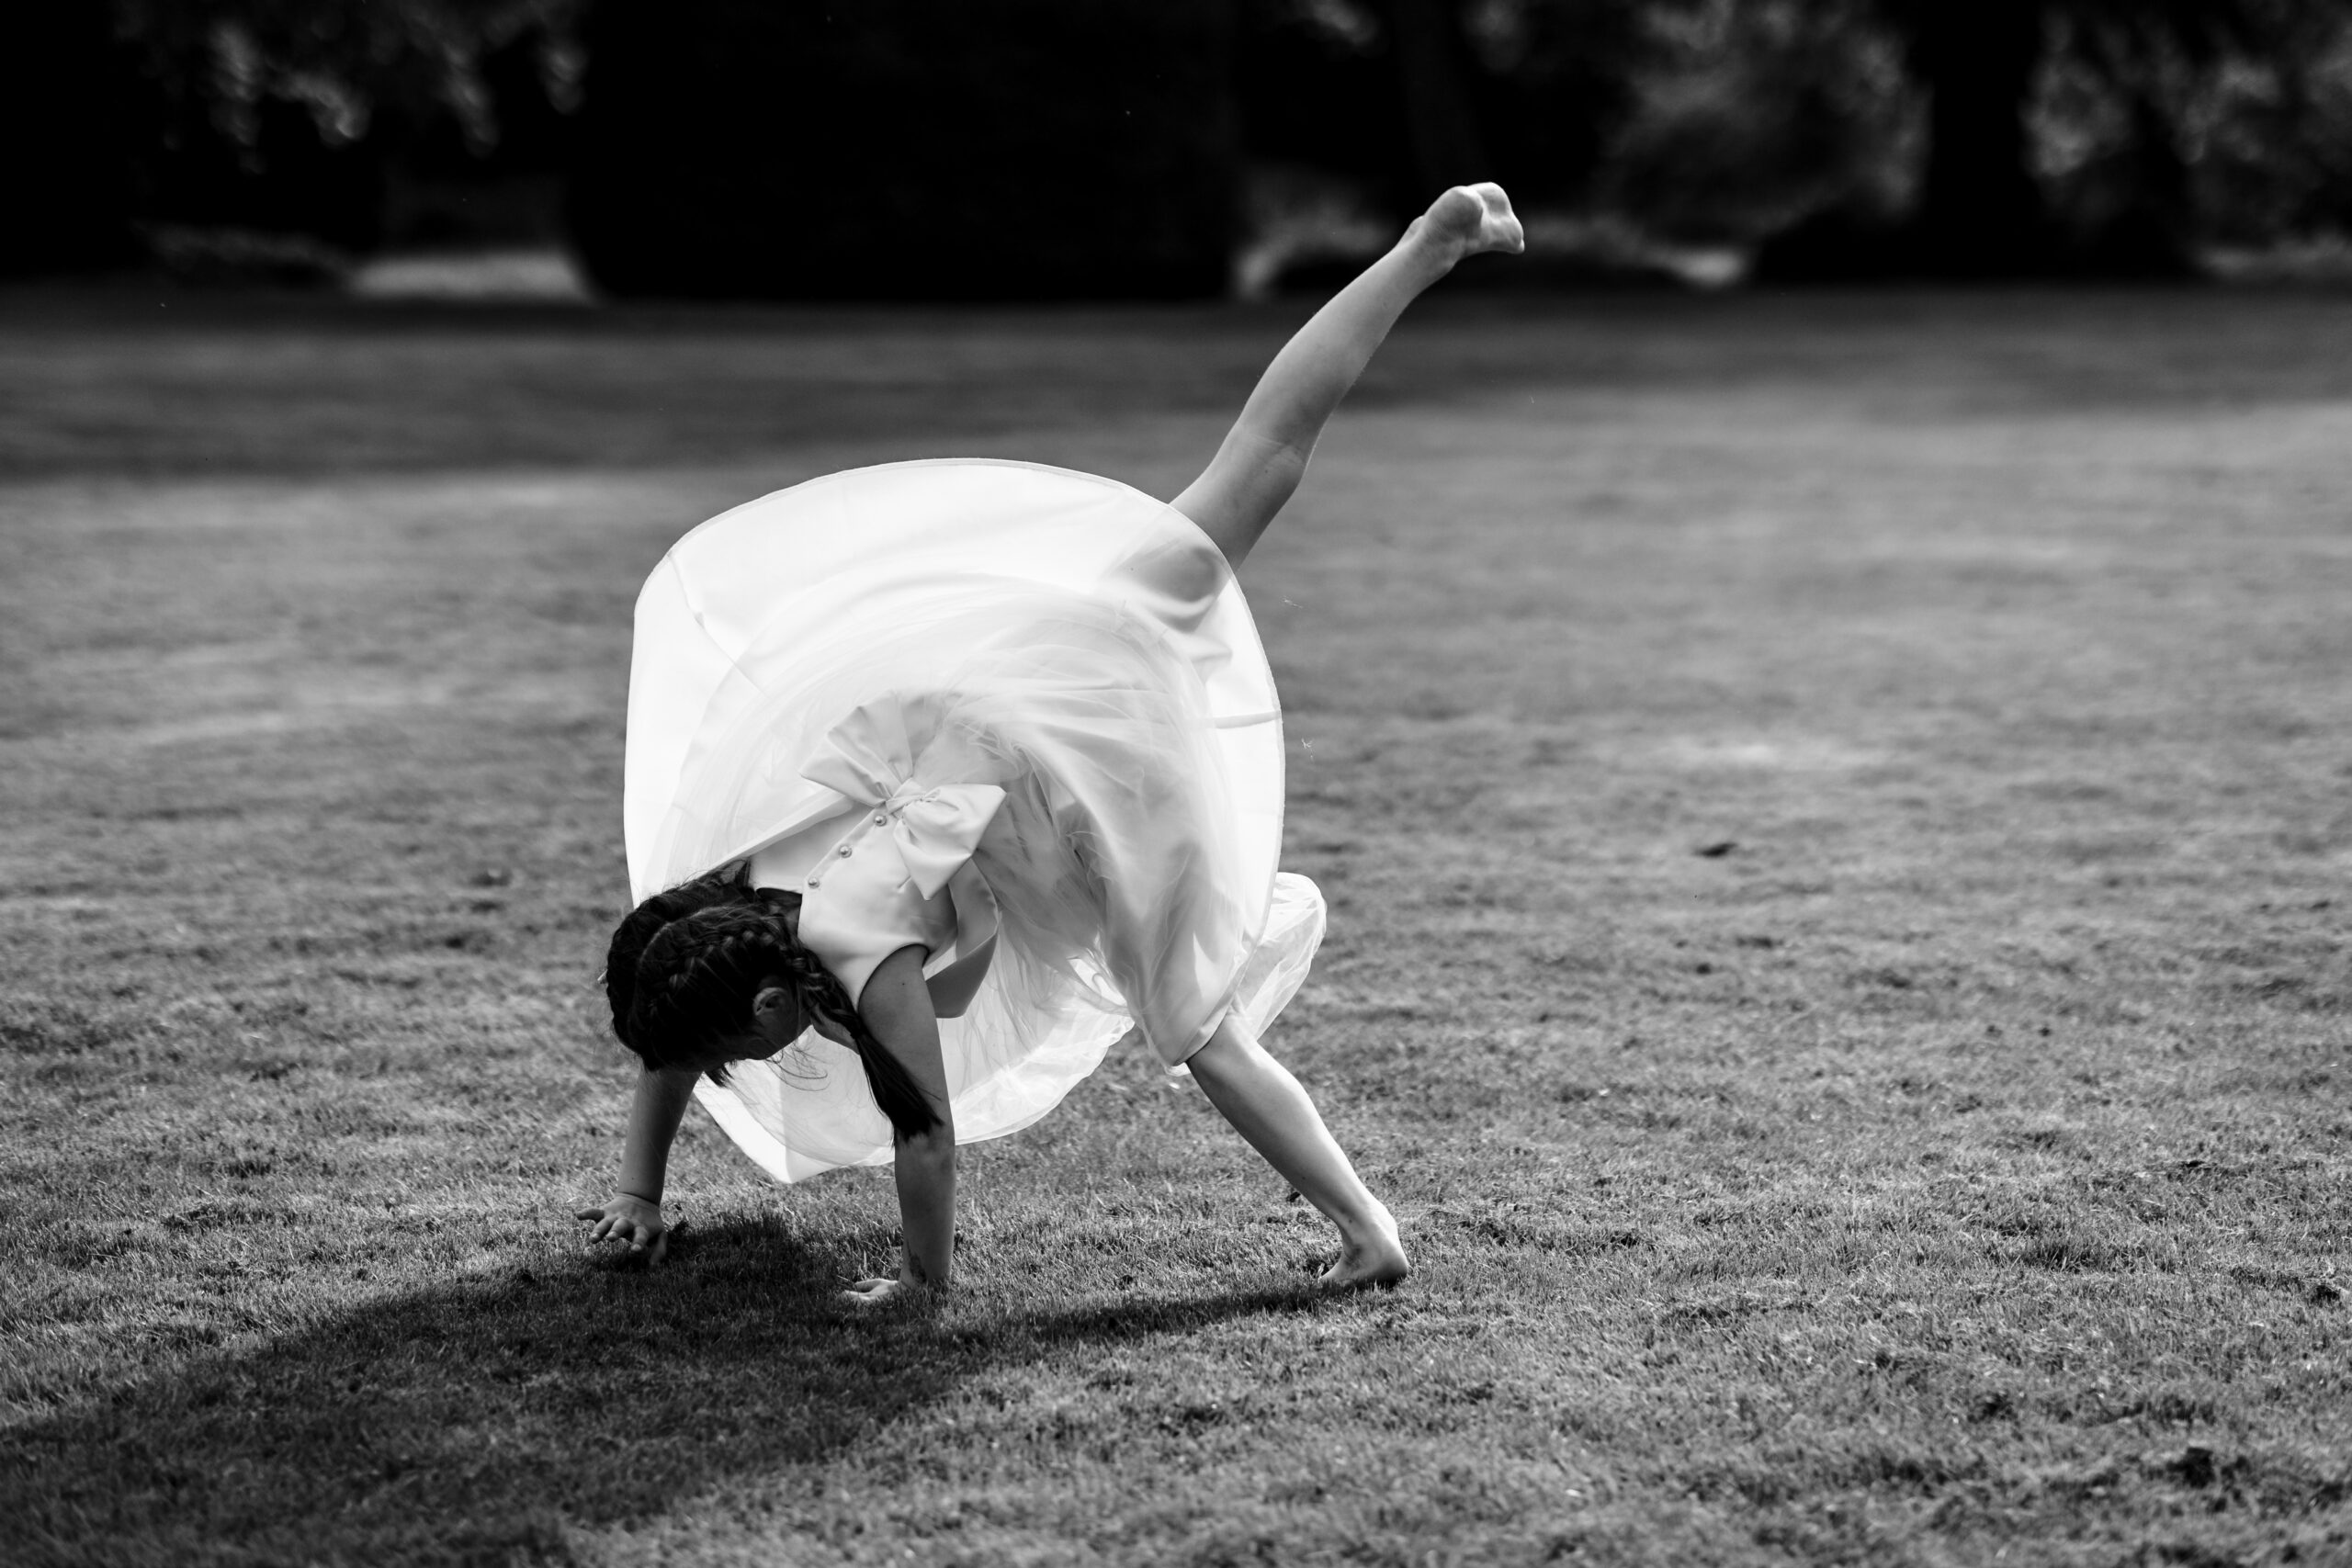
(1498, 226)
(1478, 217)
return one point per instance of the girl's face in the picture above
(776, 1022)
(778, 1018)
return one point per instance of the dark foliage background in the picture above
(1120, 147)
(906, 147)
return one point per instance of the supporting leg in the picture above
(1264, 457)
(1268, 1107)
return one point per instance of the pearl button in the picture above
(881, 817)
(815, 880)
(842, 851)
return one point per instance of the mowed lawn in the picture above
(1836, 813)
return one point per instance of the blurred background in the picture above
(1048, 149)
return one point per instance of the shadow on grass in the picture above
(472, 1421)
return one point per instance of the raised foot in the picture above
(1375, 1260)
(1469, 220)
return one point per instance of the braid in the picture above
(686, 964)
(641, 924)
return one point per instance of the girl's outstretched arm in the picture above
(1264, 456)
(633, 1214)
(897, 1008)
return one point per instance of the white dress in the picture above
(953, 698)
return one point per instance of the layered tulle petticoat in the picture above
(1062, 638)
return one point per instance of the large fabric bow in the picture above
(935, 828)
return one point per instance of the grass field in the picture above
(1836, 813)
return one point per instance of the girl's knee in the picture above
(1229, 1049)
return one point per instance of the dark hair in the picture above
(685, 965)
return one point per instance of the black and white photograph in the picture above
(1387, 783)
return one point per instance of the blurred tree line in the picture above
(1077, 146)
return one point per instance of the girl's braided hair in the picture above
(685, 965)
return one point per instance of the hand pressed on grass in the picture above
(627, 1218)
(875, 1290)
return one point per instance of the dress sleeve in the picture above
(863, 906)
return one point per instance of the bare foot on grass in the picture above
(1374, 1259)
(1468, 220)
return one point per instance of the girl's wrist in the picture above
(655, 1201)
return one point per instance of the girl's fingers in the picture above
(612, 1225)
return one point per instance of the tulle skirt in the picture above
(1063, 637)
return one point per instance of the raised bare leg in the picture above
(1268, 1107)
(1265, 454)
